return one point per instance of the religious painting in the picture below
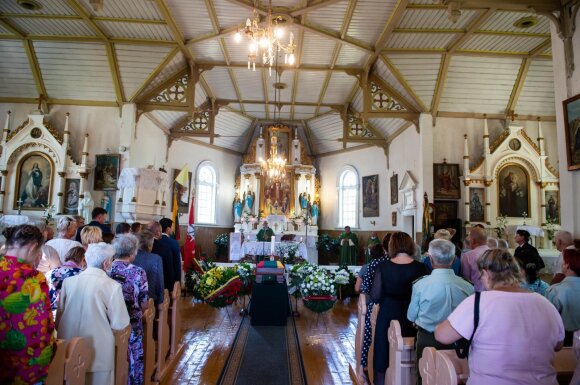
(446, 181)
(552, 206)
(278, 196)
(107, 170)
(71, 196)
(283, 141)
(394, 218)
(34, 177)
(476, 205)
(370, 186)
(445, 213)
(181, 193)
(572, 125)
(513, 191)
(394, 189)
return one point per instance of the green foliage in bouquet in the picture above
(222, 244)
(296, 277)
(318, 290)
(345, 280)
(247, 276)
(194, 274)
(220, 286)
(326, 244)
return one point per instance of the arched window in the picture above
(206, 192)
(348, 198)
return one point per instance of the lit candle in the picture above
(272, 245)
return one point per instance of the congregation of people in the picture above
(496, 300)
(84, 281)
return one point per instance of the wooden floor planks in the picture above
(326, 341)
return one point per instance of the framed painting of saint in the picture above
(107, 169)
(71, 196)
(446, 181)
(445, 213)
(34, 178)
(394, 189)
(476, 205)
(279, 196)
(513, 185)
(183, 193)
(572, 128)
(552, 206)
(370, 186)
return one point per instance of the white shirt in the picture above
(62, 246)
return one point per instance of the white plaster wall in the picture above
(565, 88)
(226, 164)
(403, 156)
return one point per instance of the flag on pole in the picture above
(183, 180)
(189, 248)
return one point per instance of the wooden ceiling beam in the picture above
(390, 115)
(146, 97)
(310, 104)
(35, 68)
(440, 84)
(393, 92)
(17, 33)
(250, 135)
(474, 26)
(89, 39)
(331, 36)
(537, 51)
(518, 86)
(399, 131)
(391, 24)
(249, 6)
(308, 134)
(399, 76)
(478, 32)
(115, 73)
(300, 44)
(283, 67)
(345, 150)
(77, 17)
(154, 74)
(313, 7)
(477, 115)
(512, 5)
(222, 32)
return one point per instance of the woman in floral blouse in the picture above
(26, 323)
(74, 263)
(134, 282)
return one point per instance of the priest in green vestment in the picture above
(265, 234)
(348, 247)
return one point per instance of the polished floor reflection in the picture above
(327, 343)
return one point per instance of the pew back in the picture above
(121, 355)
(427, 369)
(148, 343)
(56, 370)
(162, 352)
(450, 369)
(371, 366)
(77, 358)
(402, 370)
(175, 314)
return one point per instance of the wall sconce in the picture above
(123, 148)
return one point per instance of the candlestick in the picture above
(272, 245)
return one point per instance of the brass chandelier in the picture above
(266, 42)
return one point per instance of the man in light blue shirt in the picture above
(435, 296)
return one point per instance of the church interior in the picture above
(382, 116)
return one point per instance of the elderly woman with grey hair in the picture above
(66, 228)
(134, 283)
(91, 306)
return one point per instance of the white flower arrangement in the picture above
(341, 277)
(318, 283)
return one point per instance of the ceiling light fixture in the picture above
(526, 22)
(29, 5)
(266, 42)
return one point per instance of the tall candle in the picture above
(272, 245)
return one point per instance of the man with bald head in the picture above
(165, 253)
(478, 245)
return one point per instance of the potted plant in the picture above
(222, 245)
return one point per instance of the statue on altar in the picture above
(348, 247)
(237, 205)
(314, 213)
(249, 198)
(265, 234)
(86, 207)
(304, 200)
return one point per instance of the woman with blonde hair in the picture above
(91, 234)
(502, 354)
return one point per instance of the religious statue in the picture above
(304, 200)
(314, 213)
(237, 209)
(476, 208)
(348, 248)
(106, 204)
(373, 241)
(249, 197)
(265, 234)
(86, 207)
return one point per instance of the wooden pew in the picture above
(121, 355)
(162, 351)
(371, 364)
(359, 337)
(427, 368)
(148, 343)
(175, 320)
(76, 364)
(56, 370)
(402, 363)
(450, 369)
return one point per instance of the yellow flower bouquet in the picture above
(220, 286)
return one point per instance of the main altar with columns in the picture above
(277, 183)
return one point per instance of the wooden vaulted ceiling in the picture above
(133, 49)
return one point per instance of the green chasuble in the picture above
(265, 235)
(373, 241)
(348, 250)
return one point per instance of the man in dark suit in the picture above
(165, 253)
(167, 230)
(526, 253)
(99, 216)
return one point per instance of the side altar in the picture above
(278, 184)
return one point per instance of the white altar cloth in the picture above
(14, 220)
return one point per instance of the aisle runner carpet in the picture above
(263, 355)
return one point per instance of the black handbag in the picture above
(462, 345)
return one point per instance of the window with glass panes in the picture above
(348, 198)
(206, 194)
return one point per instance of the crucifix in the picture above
(19, 202)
